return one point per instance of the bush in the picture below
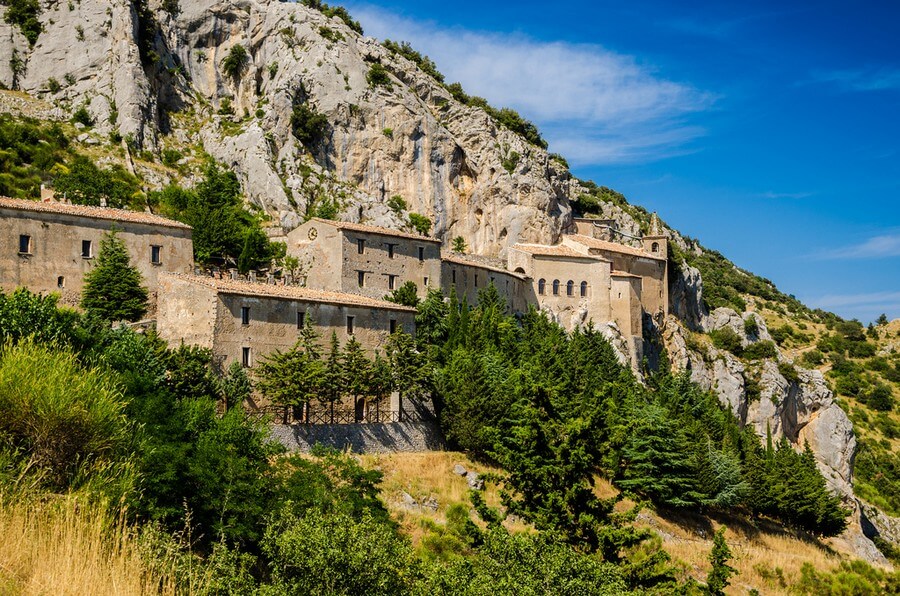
(234, 63)
(425, 63)
(68, 419)
(787, 370)
(378, 76)
(880, 398)
(420, 224)
(82, 116)
(53, 85)
(24, 15)
(813, 358)
(330, 34)
(760, 350)
(397, 204)
(727, 339)
(751, 327)
(171, 157)
(308, 125)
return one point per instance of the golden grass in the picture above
(767, 556)
(65, 547)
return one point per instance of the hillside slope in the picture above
(313, 115)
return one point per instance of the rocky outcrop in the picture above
(686, 297)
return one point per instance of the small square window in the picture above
(361, 278)
(87, 249)
(421, 253)
(156, 254)
(245, 315)
(360, 246)
(301, 319)
(245, 357)
(393, 325)
(25, 244)
(350, 325)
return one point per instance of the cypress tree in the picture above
(113, 289)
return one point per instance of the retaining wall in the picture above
(362, 438)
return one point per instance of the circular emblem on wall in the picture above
(313, 233)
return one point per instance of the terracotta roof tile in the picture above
(557, 250)
(357, 227)
(615, 273)
(106, 213)
(245, 288)
(612, 247)
(461, 260)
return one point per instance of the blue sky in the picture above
(768, 130)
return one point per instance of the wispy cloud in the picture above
(881, 246)
(865, 307)
(769, 194)
(860, 80)
(595, 106)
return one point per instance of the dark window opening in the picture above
(476, 280)
(301, 319)
(245, 357)
(584, 288)
(25, 244)
(361, 278)
(392, 281)
(393, 325)
(570, 288)
(245, 315)
(350, 325)
(390, 248)
(155, 252)
(87, 249)
(360, 246)
(453, 275)
(60, 282)
(542, 286)
(556, 287)
(421, 253)
(426, 282)
(655, 247)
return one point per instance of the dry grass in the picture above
(65, 548)
(767, 557)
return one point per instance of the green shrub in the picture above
(234, 63)
(225, 107)
(334, 11)
(397, 204)
(53, 85)
(378, 76)
(171, 157)
(880, 398)
(751, 327)
(760, 350)
(86, 184)
(727, 339)
(420, 224)
(425, 63)
(510, 162)
(24, 15)
(813, 358)
(330, 34)
(309, 126)
(81, 115)
(789, 372)
(68, 419)
(388, 132)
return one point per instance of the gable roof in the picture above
(265, 290)
(594, 243)
(105, 213)
(357, 227)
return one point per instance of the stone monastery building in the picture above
(346, 270)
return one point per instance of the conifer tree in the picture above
(113, 289)
(408, 375)
(407, 295)
(334, 375)
(717, 580)
(291, 378)
(358, 369)
(236, 386)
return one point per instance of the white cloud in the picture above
(879, 79)
(593, 105)
(865, 307)
(882, 246)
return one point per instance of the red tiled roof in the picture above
(357, 227)
(106, 213)
(461, 260)
(264, 290)
(557, 250)
(612, 247)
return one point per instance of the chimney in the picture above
(233, 274)
(102, 202)
(47, 194)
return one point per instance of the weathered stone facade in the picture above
(49, 246)
(241, 321)
(468, 276)
(364, 260)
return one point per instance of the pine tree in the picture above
(334, 376)
(290, 379)
(113, 289)
(358, 370)
(407, 295)
(717, 579)
(236, 386)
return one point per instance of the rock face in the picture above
(450, 162)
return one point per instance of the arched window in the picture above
(570, 288)
(655, 247)
(556, 287)
(583, 289)
(542, 286)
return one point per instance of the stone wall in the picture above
(362, 438)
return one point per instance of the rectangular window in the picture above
(421, 253)
(426, 282)
(155, 253)
(301, 319)
(350, 325)
(361, 278)
(392, 281)
(453, 275)
(245, 357)
(60, 282)
(87, 249)
(393, 325)
(360, 246)
(476, 280)
(25, 244)
(245, 315)
(390, 248)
